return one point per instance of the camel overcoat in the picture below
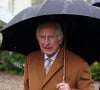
(77, 72)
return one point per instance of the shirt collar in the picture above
(53, 57)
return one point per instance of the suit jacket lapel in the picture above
(58, 63)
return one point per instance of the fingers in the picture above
(63, 86)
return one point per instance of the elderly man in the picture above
(44, 68)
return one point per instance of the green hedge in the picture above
(95, 71)
(12, 62)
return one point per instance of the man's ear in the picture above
(61, 40)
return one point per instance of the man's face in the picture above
(48, 40)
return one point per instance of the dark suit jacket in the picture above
(77, 72)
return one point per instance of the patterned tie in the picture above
(48, 65)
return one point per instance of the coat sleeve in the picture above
(26, 80)
(80, 75)
(84, 81)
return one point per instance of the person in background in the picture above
(37, 76)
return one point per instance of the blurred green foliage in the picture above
(89, 1)
(36, 1)
(12, 62)
(95, 70)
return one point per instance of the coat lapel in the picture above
(58, 64)
(40, 68)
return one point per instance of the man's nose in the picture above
(46, 41)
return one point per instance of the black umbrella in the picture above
(80, 21)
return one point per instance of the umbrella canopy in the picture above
(79, 21)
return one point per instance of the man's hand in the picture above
(63, 86)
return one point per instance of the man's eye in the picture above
(42, 37)
(51, 37)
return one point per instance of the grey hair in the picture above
(59, 32)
